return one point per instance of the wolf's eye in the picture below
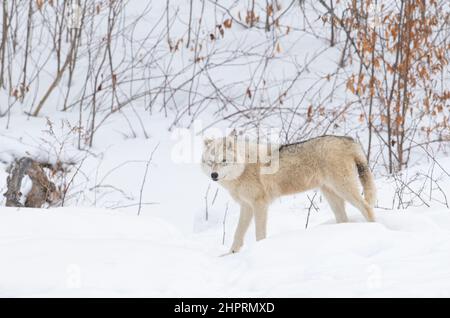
(224, 160)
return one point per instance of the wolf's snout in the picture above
(215, 176)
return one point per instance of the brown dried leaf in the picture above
(39, 4)
(228, 23)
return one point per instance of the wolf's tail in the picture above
(366, 177)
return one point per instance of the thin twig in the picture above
(224, 223)
(145, 178)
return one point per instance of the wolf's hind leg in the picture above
(245, 219)
(350, 192)
(336, 203)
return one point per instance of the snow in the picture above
(96, 253)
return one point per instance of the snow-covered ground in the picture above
(97, 253)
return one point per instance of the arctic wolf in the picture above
(330, 163)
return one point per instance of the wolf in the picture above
(333, 164)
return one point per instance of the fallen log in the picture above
(42, 189)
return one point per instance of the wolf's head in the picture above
(223, 159)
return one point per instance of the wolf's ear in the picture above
(207, 141)
(233, 133)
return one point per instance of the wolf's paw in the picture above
(226, 254)
(232, 252)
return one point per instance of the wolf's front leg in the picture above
(260, 211)
(244, 222)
